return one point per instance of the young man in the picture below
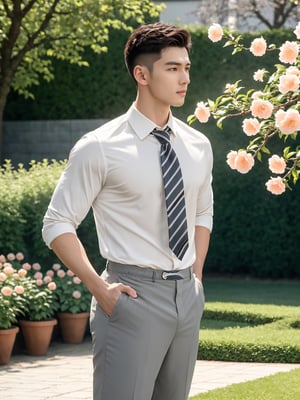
(148, 302)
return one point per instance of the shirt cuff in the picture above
(51, 232)
(206, 221)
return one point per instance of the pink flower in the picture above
(229, 88)
(6, 291)
(70, 273)
(76, 294)
(22, 272)
(287, 83)
(39, 282)
(26, 266)
(52, 285)
(20, 256)
(275, 185)
(261, 108)
(56, 267)
(8, 270)
(289, 52)
(11, 257)
(202, 112)
(256, 95)
(297, 31)
(76, 280)
(19, 289)
(50, 273)
(277, 164)
(243, 162)
(258, 47)
(251, 126)
(2, 258)
(38, 275)
(259, 75)
(47, 279)
(16, 276)
(36, 266)
(61, 273)
(215, 32)
(3, 276)
(287, 121)
(292, 70)
(231, 156)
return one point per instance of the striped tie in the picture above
(174, 193)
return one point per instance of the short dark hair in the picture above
(152, 39)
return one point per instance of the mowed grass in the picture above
(280, 386)
(251, 321)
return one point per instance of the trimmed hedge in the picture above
(255, 233)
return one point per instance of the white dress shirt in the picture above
(116, 171)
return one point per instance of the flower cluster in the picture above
(23, 294)
(71, 295)
(270, 112)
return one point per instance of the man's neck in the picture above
(158, 114)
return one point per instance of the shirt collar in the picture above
(142, 125)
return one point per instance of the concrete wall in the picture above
(24, 141)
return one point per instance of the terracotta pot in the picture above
(73, 326)
(7, 340)
(37, 335)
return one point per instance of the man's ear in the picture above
(140, 74)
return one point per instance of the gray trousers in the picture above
(147, 349)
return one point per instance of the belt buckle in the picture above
(171, 276)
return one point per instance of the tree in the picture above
(249, 14)
(34, 32)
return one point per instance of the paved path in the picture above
(66, 374)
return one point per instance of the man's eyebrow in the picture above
(177, 63)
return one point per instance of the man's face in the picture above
(169, 78)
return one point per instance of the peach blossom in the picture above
(3, 276)
(2, 258)
(297, 31)
(52, 286)
(50, 273)
(202, 112)
(215, 32)
(8, 270)
(258, 47)
(22, 272)
(56, 266)
(26, 266)
(288, 83)
(19, 289)
(39, 282)
(256, 95)
(76, 294)
(231, 156)
(243, 162)
(20, 256)
(38, 275)
(16, 276)
(289, 52)
(70, 273)
(229, 88)
(251, 126)
(259, 75)
(287, 121)
(277, 164)
(76, 280)
(275, 185)
(6, 291)
(261, 108)
(36, 266)
(61, 273)
(292, 70)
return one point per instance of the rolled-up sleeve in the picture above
(76, 190)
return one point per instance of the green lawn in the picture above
(251, 321)
(281, 386)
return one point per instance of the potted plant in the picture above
(36, 317)
(72, 302)
(12, 305)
